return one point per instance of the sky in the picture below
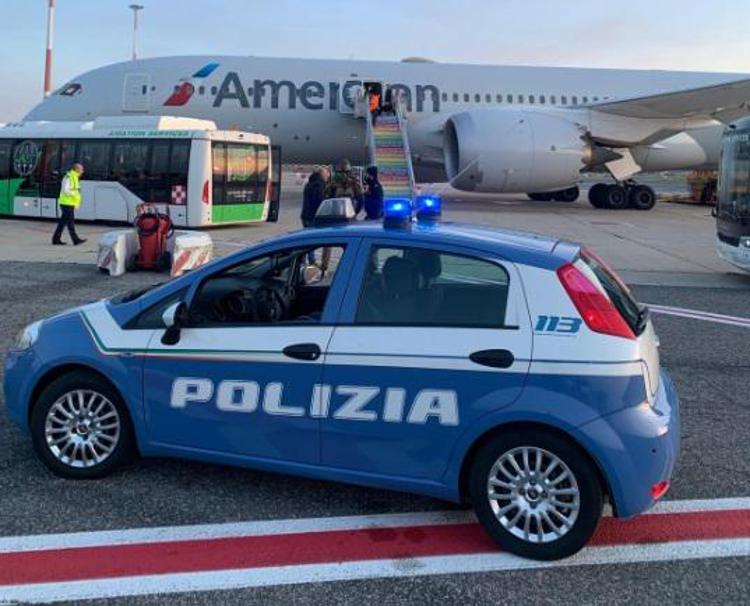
(648, 34)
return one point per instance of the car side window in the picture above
(151, 318)
(287, 286)
(415, 286)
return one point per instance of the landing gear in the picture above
(564, 195)
(621, 195)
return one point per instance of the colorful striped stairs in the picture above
(391, 156)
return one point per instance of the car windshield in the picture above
(132, 295)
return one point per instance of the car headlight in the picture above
(27, 337)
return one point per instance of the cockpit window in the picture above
(72, 89)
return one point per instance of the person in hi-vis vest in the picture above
(69, 200)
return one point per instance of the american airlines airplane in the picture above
(483, 128)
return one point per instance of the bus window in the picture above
(178, 163)
(26, 165)
(68, 156)
(219, 155)
(129, 162)
(5, 159)
(242, 174)
(94, 155)
(158, 174)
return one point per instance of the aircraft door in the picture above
(136, 93)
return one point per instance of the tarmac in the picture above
(668, 257)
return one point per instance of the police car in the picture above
(512, 371)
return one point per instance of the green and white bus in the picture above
(197, 174)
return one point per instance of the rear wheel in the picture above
(642, 197)
(80, 427)
(536, 494)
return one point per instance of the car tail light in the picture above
(597, 311)
(659, 489)
(205, 198)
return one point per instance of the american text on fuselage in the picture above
(360, 403)
(312, 94)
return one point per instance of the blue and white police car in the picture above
(512, 371)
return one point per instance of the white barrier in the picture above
(190, 249)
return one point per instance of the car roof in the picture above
(517, 246)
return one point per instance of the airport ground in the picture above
(666, 255)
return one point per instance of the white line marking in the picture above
(162, 534)
(369, 569)
(700, 315)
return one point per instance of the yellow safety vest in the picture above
(74, 198)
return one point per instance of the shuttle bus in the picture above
(199, 175)
(733, 200)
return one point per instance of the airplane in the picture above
(495, 129)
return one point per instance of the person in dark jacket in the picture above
(373, 194)
(313, 195)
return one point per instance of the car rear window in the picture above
(612, 286)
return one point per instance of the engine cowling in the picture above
(513, 151)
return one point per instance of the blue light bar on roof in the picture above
(429, 207)
(396, 211)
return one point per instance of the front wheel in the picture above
(536, 494)
(80, 427)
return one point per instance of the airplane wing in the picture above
(723, 102)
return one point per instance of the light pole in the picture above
(48, 54)
(135, 8)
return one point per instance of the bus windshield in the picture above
(734, 195)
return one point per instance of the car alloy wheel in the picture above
(533, 494)
(82, 428)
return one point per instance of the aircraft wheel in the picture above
(642, 197)
(568, 195)
(541, 197)
(615, 197)
(596, 194)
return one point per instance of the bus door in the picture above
(275, 187)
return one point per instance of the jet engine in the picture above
(513, 151)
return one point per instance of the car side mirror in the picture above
(174, 318)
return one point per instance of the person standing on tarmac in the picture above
(313, 195)
(373, 194)
(69, 200)
(345, 185)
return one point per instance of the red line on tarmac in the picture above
(56, 565)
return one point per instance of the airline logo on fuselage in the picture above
(286, 94)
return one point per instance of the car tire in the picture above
(80, 427)
(596, 194)
(580, 484)
(165, 261)
(642, 197)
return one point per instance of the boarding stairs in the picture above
(388, 149)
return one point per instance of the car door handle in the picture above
(496, 358)
(302, 351)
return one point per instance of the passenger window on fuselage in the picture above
(520, 98)
(414, 286)
(455, 97)
(282, 287)
(509, 98)
(466, 97)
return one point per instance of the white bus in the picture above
(199, 175)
